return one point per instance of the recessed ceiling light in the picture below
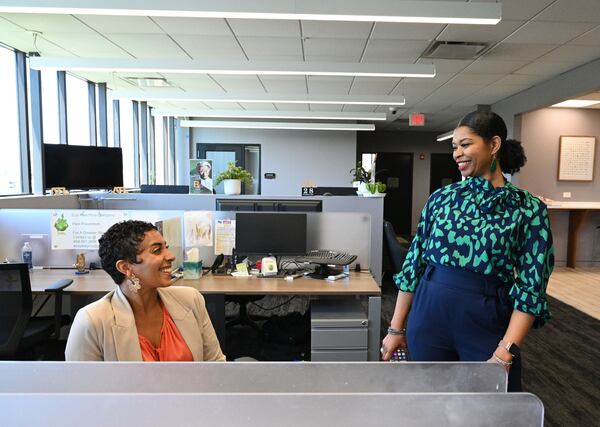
(445, 136)
(275, 125)
(260, 98)
(149, 81)
(436, 12)
(286, 68)
(576, 103)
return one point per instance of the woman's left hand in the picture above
(503, 355)
(492, 360)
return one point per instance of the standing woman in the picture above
(474, 280)
(144, 318)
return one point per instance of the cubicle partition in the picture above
(272, 409)
(251, 377)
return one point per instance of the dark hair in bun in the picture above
(487, 124)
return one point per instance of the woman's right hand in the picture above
(390, 344)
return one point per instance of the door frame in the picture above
(239, 150)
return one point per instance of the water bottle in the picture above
(27, 255)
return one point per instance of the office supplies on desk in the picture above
(336, 276)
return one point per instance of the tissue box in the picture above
(192, 269)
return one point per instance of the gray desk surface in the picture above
(290, 410)
(251, 377)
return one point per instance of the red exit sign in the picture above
(416, 119)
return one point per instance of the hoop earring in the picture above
(134, 284)
(493, 165)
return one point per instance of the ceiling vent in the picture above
(148, 81)
(455, 50)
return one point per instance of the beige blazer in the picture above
(105, 330)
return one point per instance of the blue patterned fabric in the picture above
(501, 231)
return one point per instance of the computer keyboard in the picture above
(321, 256)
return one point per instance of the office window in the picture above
(78, 116)
(126, 122)
(50, 107)
(110, 137)
(10, 161)
(159, 149)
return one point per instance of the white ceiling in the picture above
(536, 40)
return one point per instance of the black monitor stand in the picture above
(323, 271)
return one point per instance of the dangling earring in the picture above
(134, 284)
(493, 164)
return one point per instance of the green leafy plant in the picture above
(376, 187)
(234, 172)
(360, 174)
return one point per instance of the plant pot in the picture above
(362, 188)
(232, 186)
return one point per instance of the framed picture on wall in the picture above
(576, 156)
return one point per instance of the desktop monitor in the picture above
(77, 167)
(270, 233)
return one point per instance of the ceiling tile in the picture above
(520, 9)
(572, 11)
(329, 85)
(259, 56)
(372, 86)
(524, 80)
(395, 51)
(591, 38)
(483, 66)
(271, 45)
(549, 32)
(23, 41)
(330, 58)
(573, 53)
(542, 68)
(223, 105)
(223, 48)
(90, 45)
(333, 47)
(193, 83)
(149, 46)
(284, 84)
(121, 24)
(255, 106)
(475, 79)
(47, 23)
(359, 108)
(265, 28)
(193, 26)
(390, 30)
(336, 29)
(247, 84)
(518, 51)
(479, 33)
(444, 66)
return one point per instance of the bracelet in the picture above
(501, 361)
(398, 332)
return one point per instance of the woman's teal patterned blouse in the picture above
(500, 231)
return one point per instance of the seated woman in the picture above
(144, 318)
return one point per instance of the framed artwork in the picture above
(576, 156)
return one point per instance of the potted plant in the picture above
(361, 177)
(375, 189)
(232, 178)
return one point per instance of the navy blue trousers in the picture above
(459, 315)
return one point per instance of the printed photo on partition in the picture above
(198, 228)
(201, 181)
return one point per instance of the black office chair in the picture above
(396, 251)
(19, 332)
(243, 318)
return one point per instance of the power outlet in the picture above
(567, 195)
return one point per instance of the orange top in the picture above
(172, 346)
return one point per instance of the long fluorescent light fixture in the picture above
(576, 103)
(269, 115)
(431, 12)
(275, 125)
(233, 68)
(260, 98)
(445, 136)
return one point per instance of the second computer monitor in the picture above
(270, 233)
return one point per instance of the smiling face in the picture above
(472, 153)
(155, 261)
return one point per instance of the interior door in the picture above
(396, 171)
(247, 156)
(443, 171)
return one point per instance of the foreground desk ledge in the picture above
(290, 410)
(254, 377)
